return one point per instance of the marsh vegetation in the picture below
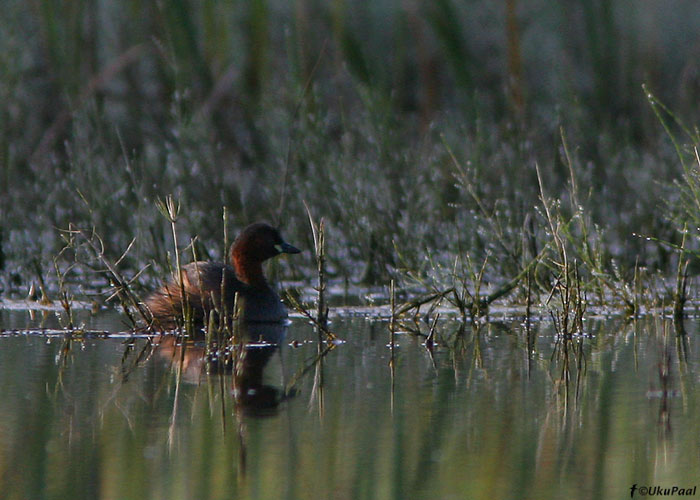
(482, 137)
(510, 193)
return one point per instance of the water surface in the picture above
(497, 411)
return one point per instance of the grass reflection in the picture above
(491, 411)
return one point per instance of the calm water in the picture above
(482, 416)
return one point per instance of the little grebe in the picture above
(204, 282)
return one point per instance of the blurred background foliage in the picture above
(412, 127)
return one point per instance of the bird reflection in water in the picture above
(245, 361)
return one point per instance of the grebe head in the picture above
(257, 243)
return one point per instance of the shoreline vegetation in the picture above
(543, 159)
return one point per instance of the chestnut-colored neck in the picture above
(248, 270)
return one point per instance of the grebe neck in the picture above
(249, 272)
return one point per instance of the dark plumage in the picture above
(203, 283)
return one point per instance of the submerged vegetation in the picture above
(467, 154)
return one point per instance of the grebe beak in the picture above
(285, 247)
